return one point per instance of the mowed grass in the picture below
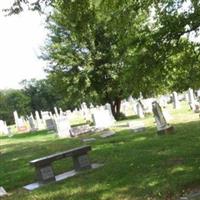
(136, 165)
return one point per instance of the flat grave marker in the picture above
(106, 134)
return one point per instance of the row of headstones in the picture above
(190, 97)
(94, 114)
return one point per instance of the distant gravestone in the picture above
(50, 124)
(191, 99)
(106, 134)
(32, 123)
(80, 129)
(102, 119)
(136, 126)
(108, 107)
(140, 111)
(89, 139)
(162, 125)
(198, 93)
(3, 128)
(39, 122)
(176, 103)
(63, 127)
(2, 192)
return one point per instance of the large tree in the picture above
(11, 100)
(90, 45)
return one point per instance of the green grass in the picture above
(136, 166)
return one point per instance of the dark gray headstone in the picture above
(45, 174)
(81, 162)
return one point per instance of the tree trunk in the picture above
(115, 107)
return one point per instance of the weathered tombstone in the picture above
(191, 99)
(89, 139)
(162, 125)
(63, 127)
(39, 123)
(162, 101)
(107, 133)
(102, 119)
(176, 103)
(21, 125)
(3, 128)
(198, 93)
(167, 115)
(61, 112)
(78, 130)
(50, 124)
(86, 112)
(32, 123)
(16, 117)
(56, 112)
(108, 107)
(136, 126)
(140, 111)
(2, 192)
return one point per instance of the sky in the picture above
(21, 39)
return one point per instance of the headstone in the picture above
(61, 112)
(167, 115)
(140, 111)
(56, 111)
(162, 125)
(198, 93)
(106, 134)
(102, 119)
(39, 122)
(163, 101)
(63, 127)
(50, 124)
(176, 103)
(32, 123)
(191, 99)
(136, 126)
(2, 192)
(78, 130)
(3, 128)
(21, 125)
(108, 107)
(89, 139)
(16, 117)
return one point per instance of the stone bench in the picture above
(44, 170)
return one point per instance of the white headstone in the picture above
(191, 98)
(3, 128)
(2, 192)
(102, 119)
(39, 122)
(176, 103)
(63, 127)
(56, 111)
(140, 111)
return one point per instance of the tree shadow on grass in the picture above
(136, 166)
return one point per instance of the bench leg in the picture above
(81, 162)
(45, 174)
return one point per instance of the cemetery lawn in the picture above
(136, 166)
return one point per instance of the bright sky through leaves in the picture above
(21, 37)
